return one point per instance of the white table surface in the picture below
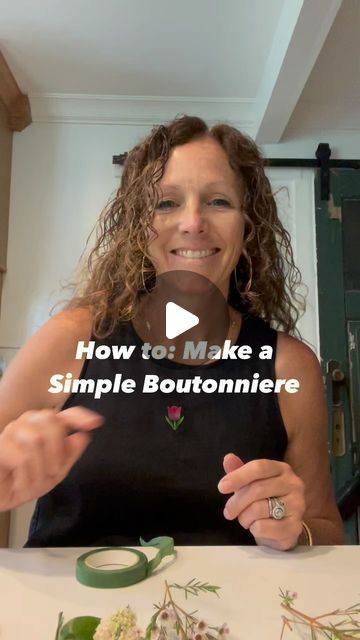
(35, 584)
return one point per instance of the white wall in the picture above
(62, 176)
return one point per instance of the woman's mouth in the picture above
(195, 253)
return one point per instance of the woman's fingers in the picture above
(251, 471)
(251, 485)
(39, 448)
(259, 510)
(41, 435)
(79, 418)
(258, 491)
(279, 534)
(75, 447)
(256, 511)
(24, 476)
(40, 438)
(232, 462)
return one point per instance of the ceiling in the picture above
(139, 47)
(266, 65)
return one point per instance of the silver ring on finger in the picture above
(276, 508)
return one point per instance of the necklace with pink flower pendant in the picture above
(174, 417)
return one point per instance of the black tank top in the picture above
(139, 477)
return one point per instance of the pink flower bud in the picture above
(174, 412)
(223, 630)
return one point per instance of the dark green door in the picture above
(338, 254)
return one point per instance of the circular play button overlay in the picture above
(185, 318)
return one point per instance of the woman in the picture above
(110, 469)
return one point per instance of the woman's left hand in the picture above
(251, 485)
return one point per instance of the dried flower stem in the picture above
(176, 609)
(185, 623)
(332, 631)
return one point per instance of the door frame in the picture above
(333, 329)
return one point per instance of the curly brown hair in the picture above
(119, 269)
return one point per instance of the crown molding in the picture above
(138, 110)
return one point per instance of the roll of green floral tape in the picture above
(110, 568)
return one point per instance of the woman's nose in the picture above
(192, 219)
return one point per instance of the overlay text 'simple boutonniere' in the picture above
(174, 417)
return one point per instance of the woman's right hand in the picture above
(38, 449)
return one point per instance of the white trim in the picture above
(138, 110)
(296, 208)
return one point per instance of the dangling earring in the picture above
(142, 274)
(247, 287)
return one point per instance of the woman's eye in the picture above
(166, 204)
(220, 202)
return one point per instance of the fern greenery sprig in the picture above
(193, 588)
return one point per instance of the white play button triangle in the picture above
(182, 308)
(178, 320)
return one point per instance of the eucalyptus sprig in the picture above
(340, 624)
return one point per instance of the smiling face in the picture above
(198, 222)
